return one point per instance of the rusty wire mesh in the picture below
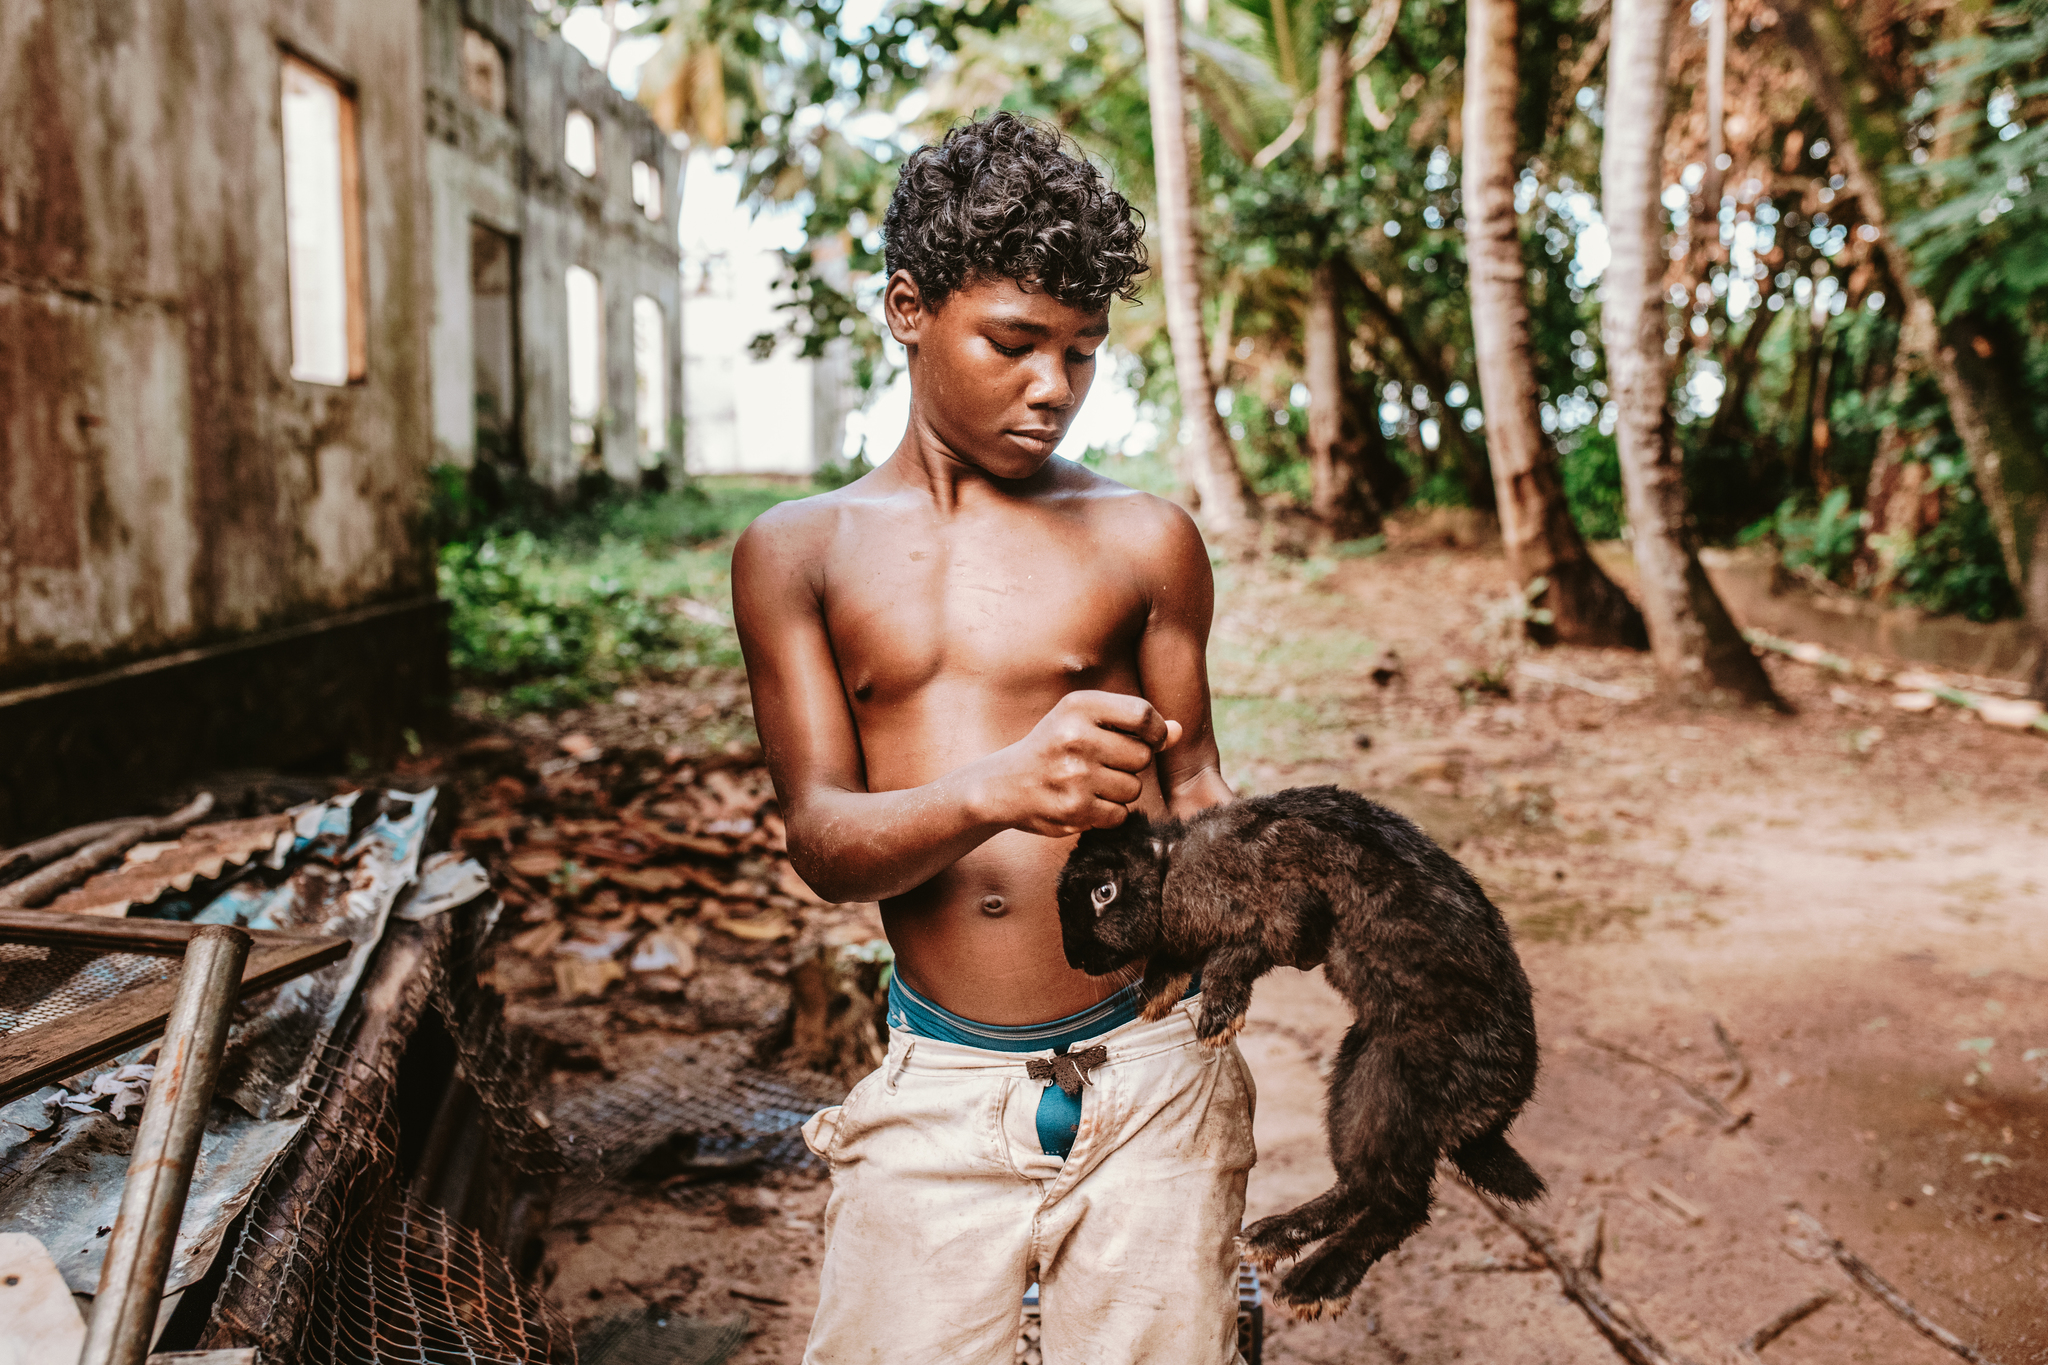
(657, 1336)
(284, 1243)
(409, 1286)
(499, 1068)
(42, 983)
(355, 1274)
(724, 1118)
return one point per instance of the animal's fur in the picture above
(1443, 1054)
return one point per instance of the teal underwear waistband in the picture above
(913, 1013)
(1059, 1114)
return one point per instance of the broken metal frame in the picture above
(92, 1034)
(166, 1148)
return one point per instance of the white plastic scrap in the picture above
(119, 1092)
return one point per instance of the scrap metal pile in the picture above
(298, 1147)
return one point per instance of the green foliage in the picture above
(556, 607)
(1956, 567)
(1592, 487)
(1270, 443)
(1824, 541)
(842, 473)
(1983, 241)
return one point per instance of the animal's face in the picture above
(1109, 896)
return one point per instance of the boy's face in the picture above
(997, 372)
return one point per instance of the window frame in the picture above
(596, 170)
(354, 301)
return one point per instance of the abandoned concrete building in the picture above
(262, 262)
(555, 334)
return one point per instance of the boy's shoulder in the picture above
(1141, 522)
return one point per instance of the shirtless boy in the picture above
(959, 663)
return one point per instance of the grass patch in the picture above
(552, 607)
(1574, 921)
(1267, 729)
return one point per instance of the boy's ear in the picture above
(903, 307)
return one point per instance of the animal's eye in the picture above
(1102, 896)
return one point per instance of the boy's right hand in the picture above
(1081, 766)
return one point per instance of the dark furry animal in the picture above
(1443, 1054)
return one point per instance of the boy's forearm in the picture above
(870, 846)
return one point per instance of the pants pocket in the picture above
(822, 1129)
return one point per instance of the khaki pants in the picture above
(944, 1208)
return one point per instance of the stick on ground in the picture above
(1881, 1289)
(1728, 1119)
(1749, 1346)
(1735, 1059)
(1630, 1339)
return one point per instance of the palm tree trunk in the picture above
(1339, 496)
(1536, 524)
(1697, 646)
(1979, 359)
(1227, 504)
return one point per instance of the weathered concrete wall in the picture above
(508, 173)
(164, 482)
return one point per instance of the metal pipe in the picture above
(145, 1232)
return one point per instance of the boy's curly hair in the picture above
(1007, 198)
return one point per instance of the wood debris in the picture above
(1879, 1288)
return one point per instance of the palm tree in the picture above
(1979, 360)
(1339, 495)
(1542, 541)
(1695, 641)
(1226, 497)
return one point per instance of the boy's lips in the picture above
(1040, 435)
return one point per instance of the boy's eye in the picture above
(1079, 357)
(1011, 351)
(1102, 896)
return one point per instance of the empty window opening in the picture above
(586, 354)
(650, 378)
(579, 143)
(483, 71)
(323, 229)
(494, 342)
(647, 189)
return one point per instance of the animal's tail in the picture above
(1499, 1169)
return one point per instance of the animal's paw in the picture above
(1304, 1312)
(1322, 1284)
(1162, 1001)
(1270, 1241)
(1216, 1034)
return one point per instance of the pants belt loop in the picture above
(896, 1068)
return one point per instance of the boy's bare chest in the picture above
(1005, 609)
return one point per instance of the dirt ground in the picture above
(1859, 895)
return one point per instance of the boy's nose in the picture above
(1050, 387)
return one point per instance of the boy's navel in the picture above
(992, 905)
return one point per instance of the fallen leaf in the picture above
(540, 940)
(536, 862)
(662, 951)
(575, 978)
(765, 929)
(602, 947)
(490, 829)
(653, 881)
